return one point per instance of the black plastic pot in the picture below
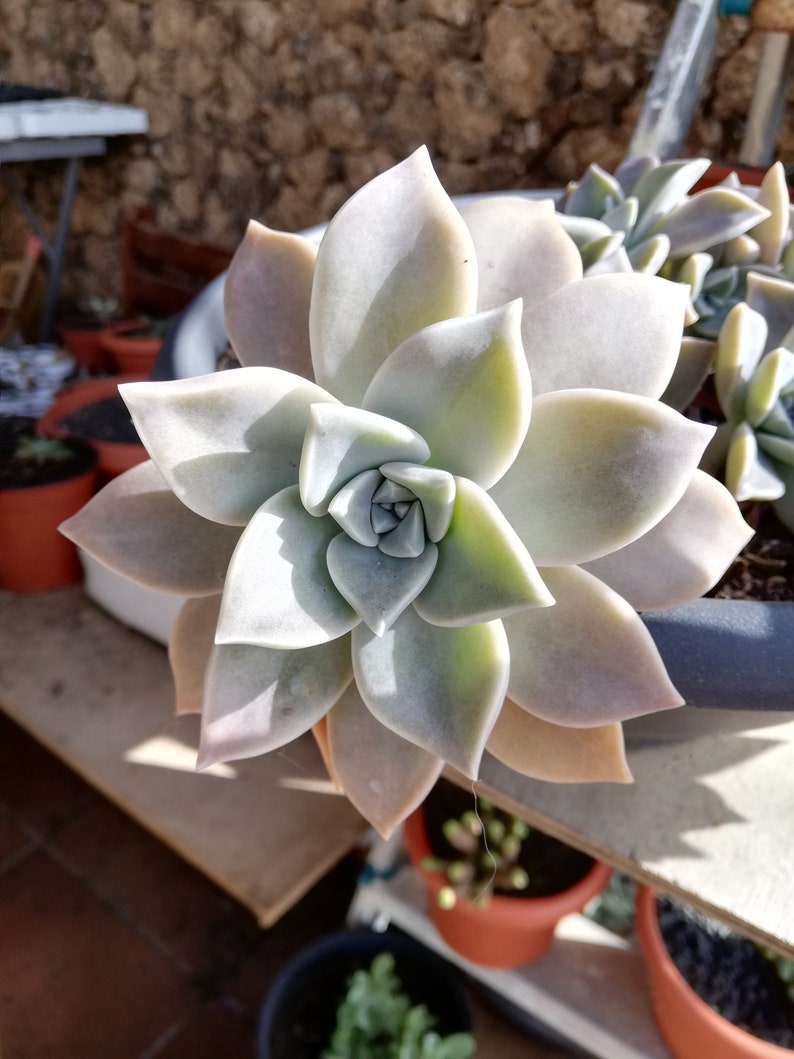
(299, 1013)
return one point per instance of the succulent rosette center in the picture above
(433, 533)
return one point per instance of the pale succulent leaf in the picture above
(464, 386)
(713, 216)
(600, 250)
(691, 370)
(407, 539)
(137, 527)
(583, 230)
(743, 250)
(556, 753)
(739, 348)
(749, 474)
(258, 700)
(596, 471)
(266, 299)
(502, 229)
(615, 263)
(649, 255)
(342, 442)
(683, 556)
(623, 216)
(631, 170)
(395, 258)
(773, 375)
(571, 339)
(439, 688)
(383, 775)
(190, 644)
(378, 586)
(588, 660)
(661, 189)
(594, 194)
(773, 298)
(780, 449)
(225, 442)
(772, 233)
(278, 590)
(483, 571)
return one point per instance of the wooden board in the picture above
(709, 818)
(99, 695)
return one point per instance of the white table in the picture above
(69, 129)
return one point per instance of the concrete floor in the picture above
(112, 947)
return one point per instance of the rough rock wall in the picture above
(279, 109)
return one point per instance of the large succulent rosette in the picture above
(426, 510)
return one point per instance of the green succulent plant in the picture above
(376, 1020)
(754, 384)
(488, 842)
(423, 514)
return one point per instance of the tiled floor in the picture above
(112, 947)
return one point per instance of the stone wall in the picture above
(278, 109)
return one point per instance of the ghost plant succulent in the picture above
(415, 538)
(754, 383)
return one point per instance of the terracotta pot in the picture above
(691, 1029)
(85, 345)
(34, 556)
(127, 352)
(114, 456)
(508, 931)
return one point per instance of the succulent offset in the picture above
(430, 535)
(754, 383)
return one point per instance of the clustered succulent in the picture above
(754, 384)
(422, 516)
(488, 843)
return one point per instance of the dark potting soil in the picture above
(551, 865)
(21, 473)
(765, 567)
(728, 972)
(104, 420)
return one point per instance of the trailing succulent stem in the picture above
(488, 841)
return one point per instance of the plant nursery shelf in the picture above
(99, 695)
(708, 818)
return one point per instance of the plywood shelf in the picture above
(709, 818)
(99, 696)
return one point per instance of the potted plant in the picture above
(439, 425)
(92, 411)
(80, 328)
(132, 345)
(358, 993)
(496, 888)
(42, 482)
(713, 991)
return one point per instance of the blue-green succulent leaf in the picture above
(434, 488)
(774, 375)
(258, 699)
(464, 386)
(662, 188)
(707, 218)
(352, 507)
(484, 571)
(278, 590)
(749, 474)
(439, 688)
(341, 445)
(225, 442)
(378, 586)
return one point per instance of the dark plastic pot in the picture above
(299, 1013)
